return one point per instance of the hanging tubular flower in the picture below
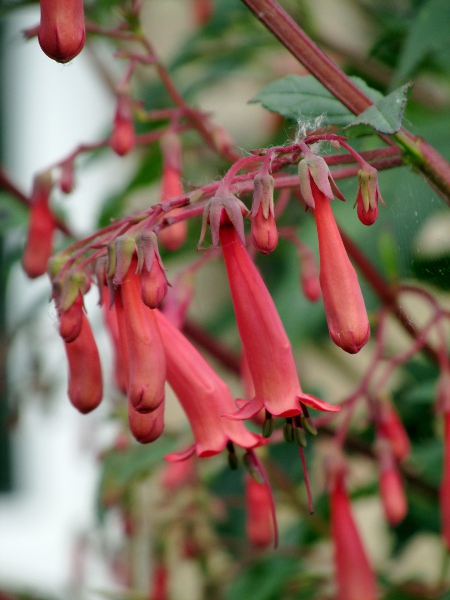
(174, 236)
(61, 32)
(267, 348)
(145, 348)
(391, 428)
(146, 427)
(264, 227)
(343, 301)
(123, 138)
(368, 195)
(392, 492)
(354, 576)
(39, 243)
(85, 373)
(203, 395)
(259, 525)
(153, 277)
(444, 491)
(309, 278)
(68, 296)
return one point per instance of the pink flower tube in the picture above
(343, 301)
(203, 395)
(267, 347)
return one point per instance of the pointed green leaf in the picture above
(303, 97)
(385, 116)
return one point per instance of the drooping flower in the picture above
(267, 347)
(61, 32)
(391, 428)
(259, 524)
(354, 576)
(39, 243)
(146, 427)
(309, 278)
(147, 363)
(123, 138)
(173, 236)
(392, 493)
(264, 227)
(85, 374)
(444, 491)
(345, 310)
(203, 395)
(368, 195)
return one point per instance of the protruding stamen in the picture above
(300, 436)
(288, 431)
(268, 425)
(308, 425)
(233, 461)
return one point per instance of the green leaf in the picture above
(297, 97)
(385, 116)
(123, 468)
(428, 34)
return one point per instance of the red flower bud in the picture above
(444, 492)
(146, 427)
(309, 278)
(122, 139)
(61, 31)
(145, 348)
(172, 237)
(153, 277)
(368, 195)
(354, 575)
(392, 493)
(390, 427)
(343, 301)
(39, 244)
(264, 227)
(85, 373)
(259, 524)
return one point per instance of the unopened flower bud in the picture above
(85, 374)
(153, 277)
(123, 138)
(368, 195)
(66, 180)
(392, 492)
(309, 278)
(39, 244)
(61, 32)
(259, 525)
(390, 427)
(264, 228)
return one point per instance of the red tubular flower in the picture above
(70, 320)
(267, 348)
(343, 301)
(309, 278)
(61, 31)
(174, 236)
(39, 244)
(123, 137)
(444, 492)
(390, 427)
(392, 492)
(147, 376)
(146, 427)
(259, 524)
(85, 373)
(121, 366)
(354, 576)
(203, 396)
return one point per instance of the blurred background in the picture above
(59, 537)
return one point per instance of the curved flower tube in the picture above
(267, 347)
(203, 396)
